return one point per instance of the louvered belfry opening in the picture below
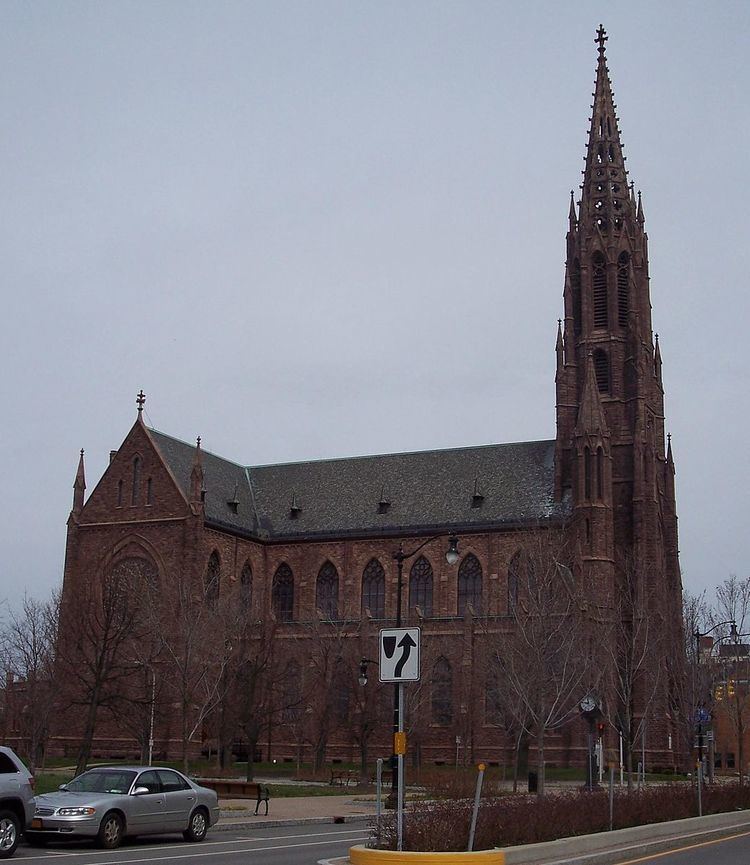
(599, 285)
(575, 283)
(623, 288)
(601, 370)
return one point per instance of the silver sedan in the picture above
(110, 803)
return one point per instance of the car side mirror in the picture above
(139, 791)
(63, 787)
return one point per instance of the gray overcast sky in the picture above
(322, 229)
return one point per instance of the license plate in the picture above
(36, 823)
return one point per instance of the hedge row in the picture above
(511, 820)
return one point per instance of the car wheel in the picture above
(197, 827)
(10, 832)
(110, 831)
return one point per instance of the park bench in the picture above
(234, 788)
(343, 777)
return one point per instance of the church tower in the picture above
(610, 447)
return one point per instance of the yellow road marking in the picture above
(681, 849)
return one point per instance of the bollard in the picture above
(481, 767)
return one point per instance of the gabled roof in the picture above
(466, 488)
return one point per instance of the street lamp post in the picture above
(700, 712)
(451, 556)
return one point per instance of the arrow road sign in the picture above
(399, 654)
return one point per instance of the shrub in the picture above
(511, 820)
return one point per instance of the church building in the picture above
(313, 545)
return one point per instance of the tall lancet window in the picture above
(135, 493)
(599, 286)
(601, 370)
(600, 473)
(575, 284)
(587, 474)
(623, 288)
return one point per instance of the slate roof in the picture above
(426, 490)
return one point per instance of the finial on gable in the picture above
(140, 401)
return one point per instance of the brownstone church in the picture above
(309, 546)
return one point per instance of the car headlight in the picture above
(76, 812)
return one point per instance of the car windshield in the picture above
(102, 781)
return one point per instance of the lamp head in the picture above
(362, 679)
(452, 555)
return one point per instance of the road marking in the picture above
(241, 840)
(212, 853)
(683, 849)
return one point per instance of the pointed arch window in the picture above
(149, 491)
(599, 286)
(575, 282)
(373, 589)
(136, 491)
(601, 370)
(469, 584)
(442, 692)
(514, 574)
(623, 288)
(587, 474)
(420, 586)
(327, 592)
(246, 588)
(600, 473)
(291, 693)
(119, 493)
(212, 579)
(282, 593)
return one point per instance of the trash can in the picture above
(533, 782)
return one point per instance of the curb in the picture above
(230, 825)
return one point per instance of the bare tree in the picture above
(28, 643)
(635, 651)
(194, 650)
(543, 655)
(99, 624)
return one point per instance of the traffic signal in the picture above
(600, 728)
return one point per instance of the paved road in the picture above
(734, 850)
(288, 845)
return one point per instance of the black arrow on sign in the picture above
(406, 644)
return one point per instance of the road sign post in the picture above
(399, 662)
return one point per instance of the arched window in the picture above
(575, 283)
(514, 578)
(291, 693)
(599, 473)
(119, 493)
(149, 492)
(599, 286)
(493, 699)
(623, 288)
(373, 589)
(586, 474)
(469, 584)
(282, 593)
(212, 578)
(442, 692)
(327, 591)
(136, 492)
(601, 370)
(246, 588)
(420, 586)
(135, 575)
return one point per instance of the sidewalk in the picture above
(295, 810)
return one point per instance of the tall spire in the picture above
(197, 489)
(79, 486)
(591, 417)
(605, 200)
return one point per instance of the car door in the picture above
(146, 811)
(179, 798)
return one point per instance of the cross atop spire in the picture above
(601, 38)
(140, 400)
